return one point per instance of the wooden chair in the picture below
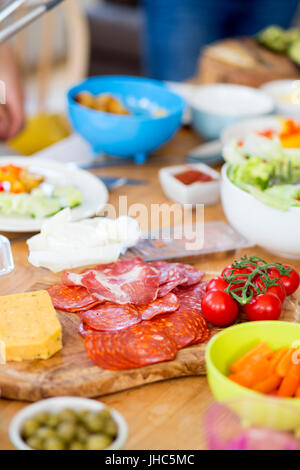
(75, 65)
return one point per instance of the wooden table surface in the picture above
(165, 415)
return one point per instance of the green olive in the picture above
(45, 432)
(30, 427)
(94, 422)
(66, 431)
(53, 420)
(54, 443)
(106, 413)
(81, 433)
(76, 445)
(42, 417)
(81, 415)
(67, 415)
(98, 442)
(35, 443)
(111, 428)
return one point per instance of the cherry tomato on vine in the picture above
(278, 290)
(219, 308)
(263, 307)
(239, 273)
(217, 283)
(290, 283)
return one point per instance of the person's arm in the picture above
(12, 112)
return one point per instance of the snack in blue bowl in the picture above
(151, 114)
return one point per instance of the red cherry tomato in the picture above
(217, 283)
(290, 283)
(278, 290)
(227, 270)
(240, 273)
(219, 308)
(263, 307)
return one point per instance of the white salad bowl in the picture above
(55, 405)
(274, 230)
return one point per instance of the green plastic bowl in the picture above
(253, 407)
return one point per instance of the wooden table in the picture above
(165, 415)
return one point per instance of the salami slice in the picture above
(125, 281)
(71, 299)
(84, 330)
(176, 277)
(166, 304)
(146, 343)
(203, 331)
(134, 347)
(191, 297)
(192, 275)
(110, 317)
(101, 350)
(175, 274)
(180, 326)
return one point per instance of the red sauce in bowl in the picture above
(191, 176)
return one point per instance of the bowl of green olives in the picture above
(68, 423)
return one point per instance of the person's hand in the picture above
(12, 112)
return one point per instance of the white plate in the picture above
(94, 192)
(241, 129)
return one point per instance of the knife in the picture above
(105, 163)
(113, 183)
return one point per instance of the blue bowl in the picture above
(125, 136)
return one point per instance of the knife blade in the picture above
(112, 182)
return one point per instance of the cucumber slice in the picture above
(69, 196)
(38, 206)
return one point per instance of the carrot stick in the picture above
(291, 382)
(253, 373)
(285, 362)
(269, 385)
(262, 350)
(297, 394)
(277, 358)
(235, 377)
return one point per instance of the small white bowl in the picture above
(274, 230)
(55, 405)
(218, 105)
(197, 193)
(277, 89)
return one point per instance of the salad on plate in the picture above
(25, 192)
(262, 167)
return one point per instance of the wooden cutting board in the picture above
(243, 61)
(71, 372)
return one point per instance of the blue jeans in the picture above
(176, 30)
